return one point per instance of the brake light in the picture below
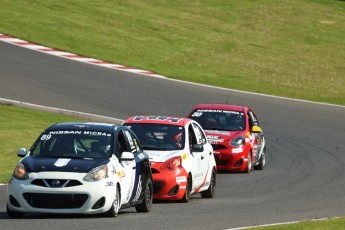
(172, 164)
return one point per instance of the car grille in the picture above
(154, 170)
(220, 162)
(218, 147)
(55, 200)
(56, 183)
(157, 186)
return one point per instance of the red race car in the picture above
(182, 160)
(234, 132)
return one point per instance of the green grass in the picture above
(330, 224)
(19, 128)
(292, 48)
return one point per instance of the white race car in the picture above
(83, 168)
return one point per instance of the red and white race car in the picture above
(182, 161)
(235, 134)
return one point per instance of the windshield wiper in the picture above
(154, 148)
(70, 157)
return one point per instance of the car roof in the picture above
(96, 126)
(238, 108)
(179, 121)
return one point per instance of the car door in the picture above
(257, 137)
(128, 166)
(202, 159)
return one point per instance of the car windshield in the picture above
(159, 136)
(73, 144)
(224, 120)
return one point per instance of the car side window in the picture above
(121, 145)
(133, 142)
(191, 136)
(200, 137)
(252, 119)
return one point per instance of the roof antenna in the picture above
(227, 101)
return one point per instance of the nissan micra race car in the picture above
(181, 159)
(235, 134)
(83, 168)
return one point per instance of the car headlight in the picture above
(97, 173)
(238, 141)
(172, 163)
(20, 172)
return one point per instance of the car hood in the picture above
(222, 136)
(40, 164)
(162, 156)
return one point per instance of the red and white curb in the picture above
(71, 56)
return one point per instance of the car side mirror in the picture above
(256, 129)
(127, 156)
(22, 152)
(197, 148)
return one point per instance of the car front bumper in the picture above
(232, 159)
(42, 194)
(168, 184)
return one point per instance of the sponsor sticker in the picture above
(69, 132)
(198, 175)
(162, 118)
(180, 179)
(184, 156)
(137, 194)
(219, 132)
(210, 137)
(237, 150)
(141, 156)
(109, 183)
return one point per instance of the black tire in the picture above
(146, 204)
(14, 214)
(262, 161)
(209, 193)
(249, 163)
(187, 194)
(115, 207)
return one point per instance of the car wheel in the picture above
(249, 163)
(115, 207)
(186, 196)
(14, 214)
(209, 193)
(146, 204)
(262, 161)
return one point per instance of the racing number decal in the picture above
(46, 137)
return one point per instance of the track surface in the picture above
(304, 177)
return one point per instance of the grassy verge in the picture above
(330, 224)
(19, 128)
(289, 48)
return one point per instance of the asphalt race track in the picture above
(304, 177)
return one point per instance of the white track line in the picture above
(283, 223)
(61, 111)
